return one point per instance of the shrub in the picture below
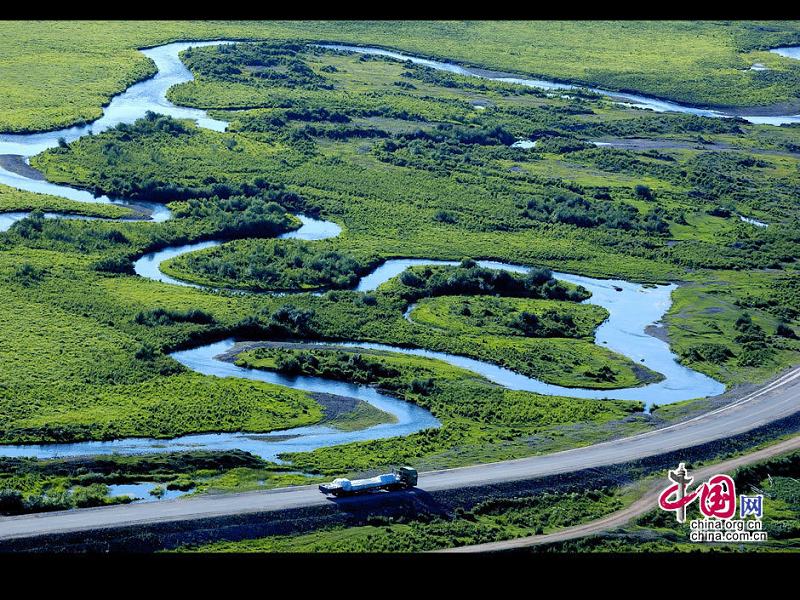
(161, 316)
(27, 274)
(755, 357)
(712, 353)
(11, 502)
(147, 352)
(114, 264)
(92, 495)
(604, 373)
(643, 192)
(292, 320)
(443, 216)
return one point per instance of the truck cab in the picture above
(408, 475)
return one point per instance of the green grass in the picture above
(372, 202)
(704, 311)
(364, 415)
(373, 193)
(58, 73)
(77, 363)
(478, 315)
(12, 200)
(70, 374)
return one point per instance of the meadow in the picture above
(60, 73)
(14, 200)
(402, 159)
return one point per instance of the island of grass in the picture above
(403, 160)
(60, 74)
(14, 200)
(271, 265)
(504, 316)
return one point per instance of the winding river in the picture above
(149, 265)
(132, 104)
(632, 307)
(626, 98)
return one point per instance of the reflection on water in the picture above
(140, 492)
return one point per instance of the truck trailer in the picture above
(399, 479)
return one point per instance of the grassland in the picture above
(402, 160)
(383, 178)
(13, 200)
(479, 315)
(101, 383)
(545, 512)
(58, 73)
(704, 315)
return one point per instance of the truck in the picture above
(399, 479)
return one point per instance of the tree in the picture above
(643, 192)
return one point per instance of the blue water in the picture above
(141, 492)
(410, 418)
(632, 307)
(132, 104)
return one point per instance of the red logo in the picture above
(717, 495)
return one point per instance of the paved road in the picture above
(775, 400)
(643, 505)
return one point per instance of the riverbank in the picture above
(348, 315)
(251, 516)
(705, 71)
(16, 163)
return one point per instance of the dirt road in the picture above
(641, 506)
